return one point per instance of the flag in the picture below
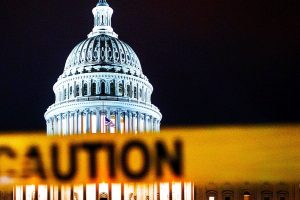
(108, 122)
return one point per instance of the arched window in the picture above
(282, 195)
(71, 90)
(211, 195)
(129, 93)
(93, 89)
(102, 88)
(141, 93)
(84, 90)
(135, 92)
(227, 195)
(65, 94)
(121, 89)
(112, 89)
(77, 91)
(267, 195)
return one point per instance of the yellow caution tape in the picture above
(225, 154)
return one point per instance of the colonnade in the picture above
(95, 121)
(113, 191)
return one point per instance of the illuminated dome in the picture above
(103, 53)
(102, 88)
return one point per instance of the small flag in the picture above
(108, 122)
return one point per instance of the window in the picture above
(247, 195)
(65, 94)
(129, 91)
(135, 93)
(283, 195)
(84, 91)
(71, 90)
(267, 195)
(211, 195)
(77, 91)
(102, 88)
(112, 89)
(121, 89)
(93, 89)
(227, 195)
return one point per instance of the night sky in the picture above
(210, 62)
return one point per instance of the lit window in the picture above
(247, 196)
(211, 195)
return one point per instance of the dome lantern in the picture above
(102, 20)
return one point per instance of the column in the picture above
(79, 124)
(138, 122)
(130, 122)
(108, 117)
(126, 122)
(71, 123)
(76, 122)
(118, 122)
(151, 124)
(98, 125)
(68, 91)
(145, 123)
(47, 126)
(134, 121)
(67, 123)
(60, 122)
(87, 121)
(80, 88)
(54, 125)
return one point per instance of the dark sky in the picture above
(210, 62)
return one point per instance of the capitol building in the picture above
(103, 90)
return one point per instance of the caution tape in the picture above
(221, 154)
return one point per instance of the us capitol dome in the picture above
(102, 88)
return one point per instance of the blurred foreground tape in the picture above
(228, 154)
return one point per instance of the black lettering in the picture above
(92, 149)
(111, 160)
(7, 151)
(135, 144)
(72, 163)
(33, 154)
(174, 161)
